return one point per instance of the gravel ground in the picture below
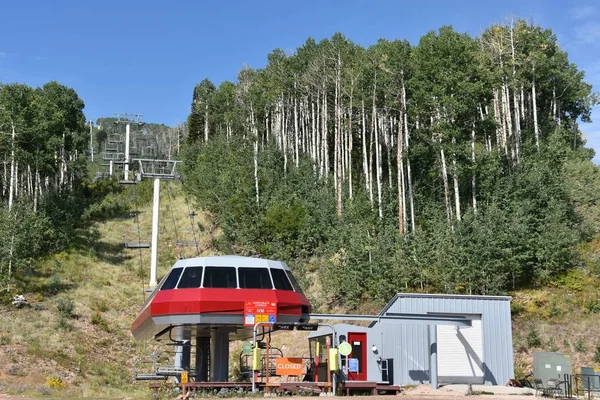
(422, 392)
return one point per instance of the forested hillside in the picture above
(454, 165)
(42, 146)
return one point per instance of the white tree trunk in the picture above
(62, 162)
(296, 153)
(11, 189)
(4, 178)
(324, 135)
(350, 144)
(338, 142)
(455, 179)
(473, 177)
(506, 111)
(400, 177)
(534, 109)
(499, 133)
(206, 122)
(406, 144)
(377, 160)
(364, 149)
(36, 190)
(313, 138)
(445, 180)
(517, 125)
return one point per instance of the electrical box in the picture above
(590, 377)
(547, 365)
(333, 360)
(256, 359)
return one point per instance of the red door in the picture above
(357, 360)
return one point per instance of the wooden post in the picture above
(267, 368)
(317, 354)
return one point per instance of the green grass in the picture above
(81, 305)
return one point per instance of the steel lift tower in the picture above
(128, 119)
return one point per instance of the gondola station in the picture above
(204, 303)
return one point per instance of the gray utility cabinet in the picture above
(548, 365)
(591, 378)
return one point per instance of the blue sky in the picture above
(146, 56)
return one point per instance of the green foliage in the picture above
(597, 354)
(99, 321)
(99, 305)
(551, 345)
(580, 346)
(65, 307)
(535, 193)
(54, 285)
(516, 308)
(592, 305)
(64, 324)
(533, 338)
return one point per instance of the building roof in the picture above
(438, 296)
(236, 261)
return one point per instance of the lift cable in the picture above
(177, 247)
(137, 220)
(192, 214)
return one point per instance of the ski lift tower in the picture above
(157, 170)
(128, 119)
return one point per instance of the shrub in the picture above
(597, 355)
(99, 322)
(55, 382)
(54, 284)
(533, 338)
(552, 345)
(64, 324)
(66, 307)
(5, 339)
(580, 346)
(592, 306)
(100, 305)
(516, 308)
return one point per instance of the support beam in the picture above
(155, 217)
(182, 355)
(202, 358)
(397, 318)
(433, 356)
(126, 166)
(219, 355)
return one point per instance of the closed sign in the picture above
(288, 366)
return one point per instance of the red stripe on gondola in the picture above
(222, 301)
(218, 301)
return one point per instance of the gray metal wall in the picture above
(373, 338)
(408, 344)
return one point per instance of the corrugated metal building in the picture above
(400, 353)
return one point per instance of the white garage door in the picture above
(460, 353)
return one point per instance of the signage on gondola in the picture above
(256, 311)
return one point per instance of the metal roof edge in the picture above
(438, 295)
(451, 296)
